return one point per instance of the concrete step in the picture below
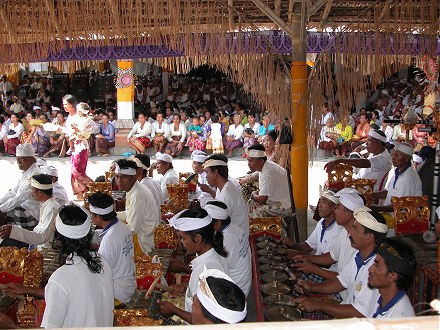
(120, 150)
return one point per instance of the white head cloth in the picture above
(49, 170)
(362, 216)
(74, 232)
(164, 157)
(349, 197)
(404, 147)
(139, 163)
(377, 136)
(330, 195)
(126, 171)
(41, 162)
(41, 186)
(55, 108)
(100, 211)
(255, 153)
(25, 150)
(417, 159)
(216, 212)
(214, 162)
(207, 298)
(188, 224)
(384, 91)
(198, 156)
(36, 107)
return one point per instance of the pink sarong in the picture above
(79, 178)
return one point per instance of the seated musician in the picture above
(403, 179)
(143, 165)
(17, 207)
(326, 231)
(80, 292)
(392, 273)
(164, 166)
(59, 192)
(42, 188)
(218, 300)
(116, 245)
(197, 235)
(368, 228)
(198, 157)
(273, 197)
(236, 243)
(376, 166)
(142, 213)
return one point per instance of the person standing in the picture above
(80, 154)
(79, 294)
(143, 165)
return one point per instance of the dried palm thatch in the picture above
(367, 51)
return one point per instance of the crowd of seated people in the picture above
(341, 134)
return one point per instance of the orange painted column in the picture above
(299, 152)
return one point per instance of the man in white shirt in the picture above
(59, 192)
(403, 179)
(236, 244)
(198, 237)
(341, 253)
(216, 168)
(116, 245)
(141, 211)
(198, 157)
(325, 233)
(164, 166)
(17, 206)
(368, 228)
(143, 165)
(273, 197)
(376, 166)
(16, 107)
(5, 86)
(392, 273)
(42, 188)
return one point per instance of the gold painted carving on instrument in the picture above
(165, 234)
(410, 207)
(145, 267)
(365, 187)
(269, 224)
(134, 317)
(341, 173)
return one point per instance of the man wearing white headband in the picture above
(323, 236)
(197, 236)
(273, 197)
(116, 245)
(403, 179)
(59, 192)
(142, 213)
(17, 207)
(164, 166)
(368, 228)
(79, 294)
(198, 157)
(216, 167)
(236, 244)
(218, 300)
(376, 166)
(341, 253)
(143, 164)
(42, 192)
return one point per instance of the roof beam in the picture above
(277, 7)
(327, 9)
(231, 15)
(316, 6)
(276, 19)
(384, 10)
(290, 11)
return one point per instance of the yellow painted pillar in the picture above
(299, 152)
(125, 105)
